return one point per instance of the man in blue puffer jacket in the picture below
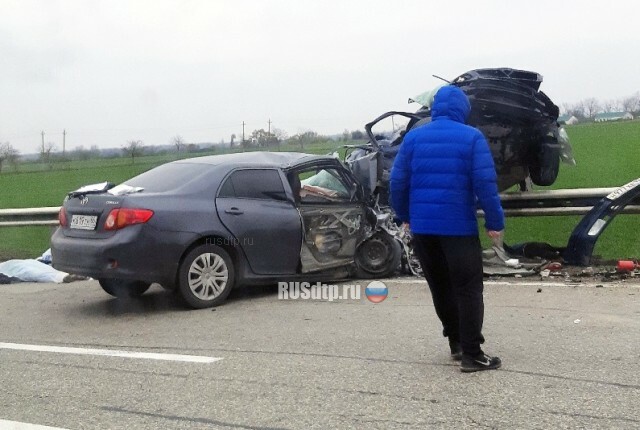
(442, 171)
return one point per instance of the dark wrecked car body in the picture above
(200, 226)
(519, 121)
(520, 124)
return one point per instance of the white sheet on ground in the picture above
(31, 271)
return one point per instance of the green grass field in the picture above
(607, 155)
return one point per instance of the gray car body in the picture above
(267, 239)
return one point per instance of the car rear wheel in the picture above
(206, 276)
(122, 288)
(378, 256)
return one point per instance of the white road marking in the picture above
(518, 282)
(535, 284)
(110, 353)
(15, 425)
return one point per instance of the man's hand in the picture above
(496, 237)
(493, 234)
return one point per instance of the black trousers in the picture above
(452, 266)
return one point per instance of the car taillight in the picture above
(121, 218)
(62, 217)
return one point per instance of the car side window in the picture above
(254, 184)
(321, 185)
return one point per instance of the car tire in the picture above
(122, 288)
(206, 277)
(545, 165)
(378, 256)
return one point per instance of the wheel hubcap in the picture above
(208, 276)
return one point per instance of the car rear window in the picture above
(253, 184)
(168, 176)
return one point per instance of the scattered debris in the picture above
(577, 322)
(627, 266)
(587, 271)
(554, 266)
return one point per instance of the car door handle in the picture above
(234, 211)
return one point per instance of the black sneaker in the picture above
(479, 362)
(456, 350)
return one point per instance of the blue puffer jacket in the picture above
(443, 169)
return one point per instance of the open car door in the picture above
(331, 206)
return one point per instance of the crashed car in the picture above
(519, 121)
(520, 124)
(201, 226)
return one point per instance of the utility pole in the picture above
(269, 132)
(42, 142)
(243, 132)
(64, 138)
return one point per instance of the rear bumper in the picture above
(139, 253)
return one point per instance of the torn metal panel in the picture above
(331, 236)
(584, 236)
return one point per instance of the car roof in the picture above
(256, 159)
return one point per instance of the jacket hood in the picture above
(451, 103)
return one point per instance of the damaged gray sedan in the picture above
(201, 226)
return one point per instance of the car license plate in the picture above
(84, 222)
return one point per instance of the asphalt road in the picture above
(570, 355)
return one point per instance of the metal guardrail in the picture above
(577, 201)
(47, 216)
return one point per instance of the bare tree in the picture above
(574, 109)
(305, 136)
(133, 149)
(297, 139)
(359, 135)
(95, 151)
(46, 150)
(346, 135)
(7, 153)
(81, 153)
(610, 105)
(178, 141)
(631, 103)
(261, 137)
(279, 134)
(233, 138)
(591, 107)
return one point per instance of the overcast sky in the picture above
(112, 71)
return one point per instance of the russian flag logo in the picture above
(376, 291)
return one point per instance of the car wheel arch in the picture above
(225, 243)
